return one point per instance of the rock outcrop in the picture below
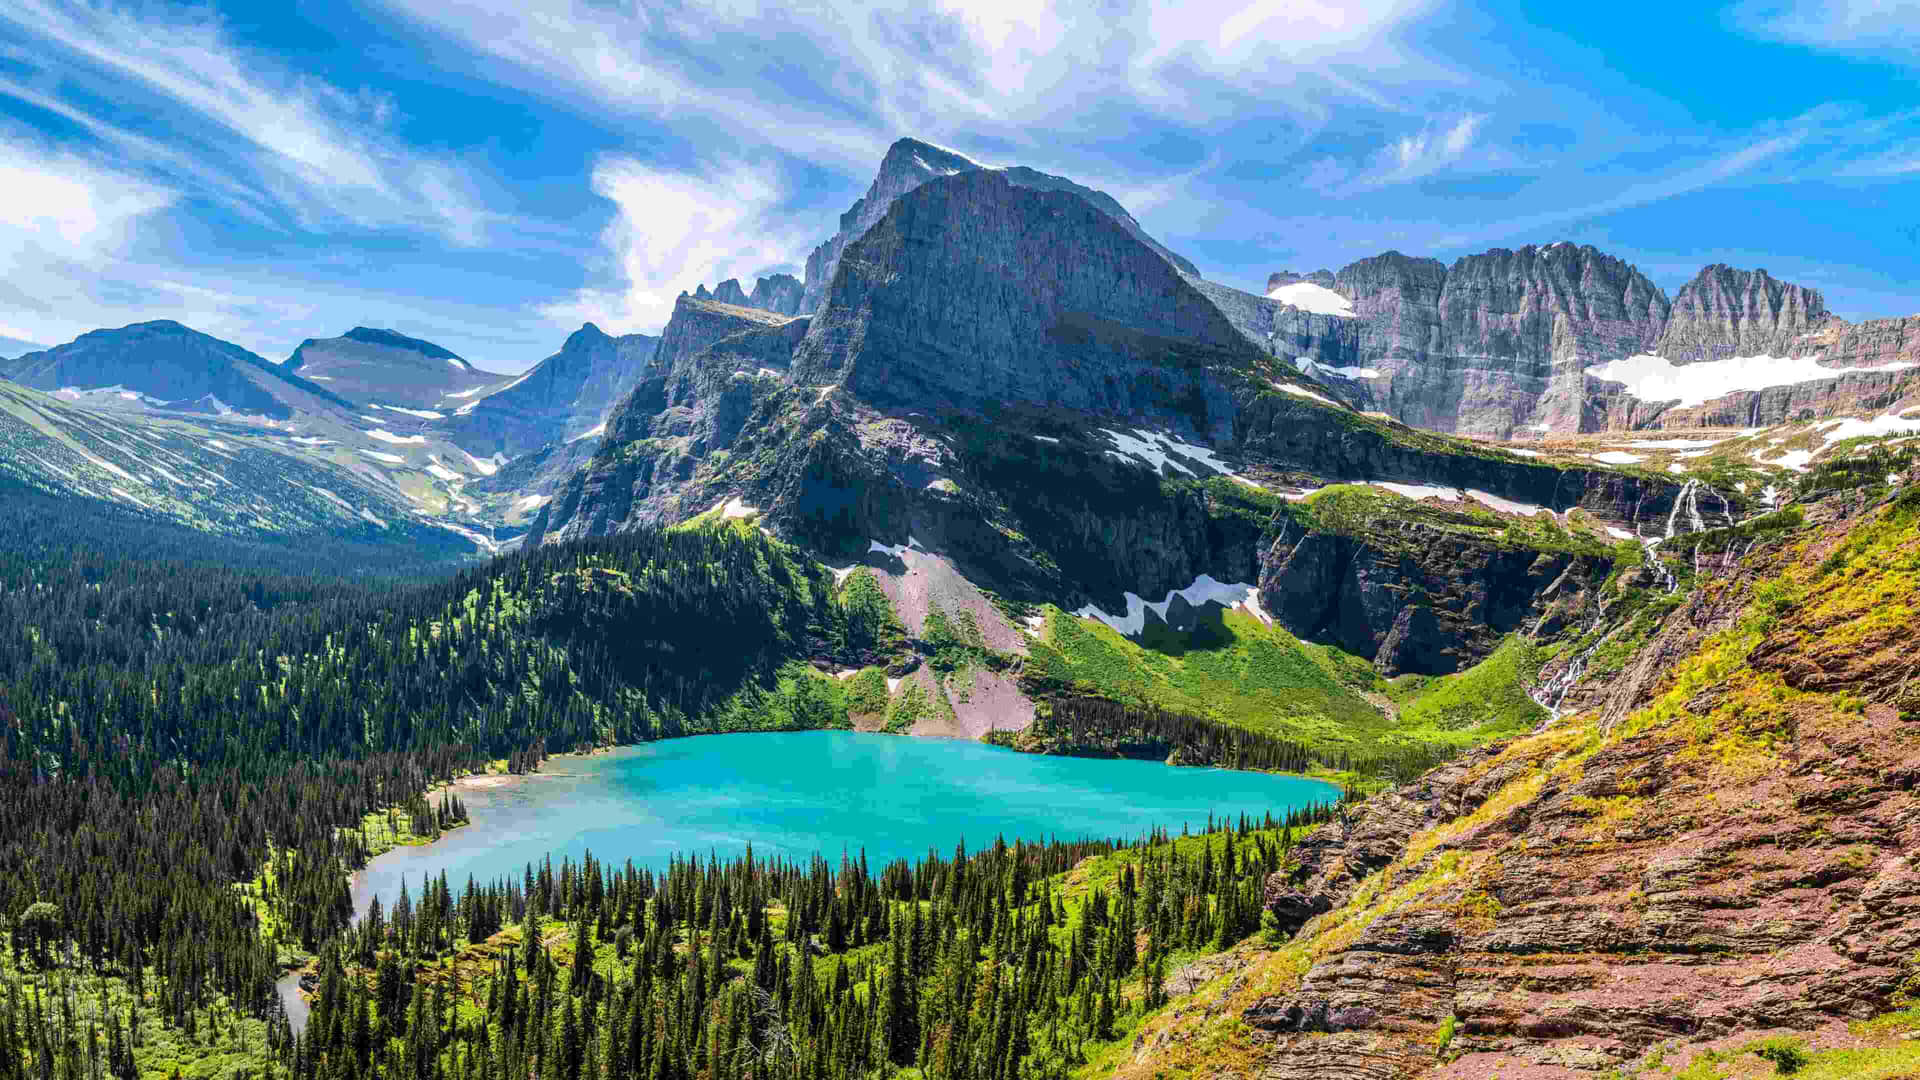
(1422, 600)
(1725, 312)
(910, 163)
(978, 291)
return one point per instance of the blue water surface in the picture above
(794, 794)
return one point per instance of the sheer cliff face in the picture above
(1497, 341)
(1725, 312)
(975, 292)
(910, 163)
(1497, 345)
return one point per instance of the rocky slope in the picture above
(566, 396)
(1709, 847)
(224, 477)
(910, 163)
(381, 367)
(167, 365)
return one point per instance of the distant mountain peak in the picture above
(397, 340)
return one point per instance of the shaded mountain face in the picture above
(384, 368)
(171, 365)
(566, 396)
(910, 163)
(1011, 378)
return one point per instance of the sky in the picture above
(489, 174)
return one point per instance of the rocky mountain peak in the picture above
(777, 292)
(976, 289)
(1279, 278)
(395, 340)
(910, 163)
(587, 337)
(1725, 312)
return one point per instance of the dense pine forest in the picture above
(189, 736)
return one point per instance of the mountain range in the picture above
(955, 299)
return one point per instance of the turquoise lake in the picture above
(792, 794)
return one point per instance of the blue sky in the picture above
(489, 174)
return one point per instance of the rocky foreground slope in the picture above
(1712, 848)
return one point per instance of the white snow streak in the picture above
(1203, 590)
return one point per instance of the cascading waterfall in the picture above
(1554, 693)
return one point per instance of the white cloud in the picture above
(62, 208)
(673, 231)
(1872, 26)
(1001, 69)
(249, 132)
(1423, 153)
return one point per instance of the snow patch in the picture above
(530, 502)
(400, 440)
(371, 516)
(1523, 453)
(1046, 439)
(218, 445)
(898, 551)
(736, 507)
(390, 459)
(1888, 424)
(457, 365)
(1317, 299)
(424, 414)
(1301, 391)
(1793, 459)
(441, 472)
(1158, 451)
(484, 468)
(1312, 368)
(1506, 506)
(1618, 533)
(1655, 378)
(1617, 457)
(468, 393)
(590, 434)
(1203, 590)
(1419, 491)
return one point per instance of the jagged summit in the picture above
(909, 163)
(778, 293)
